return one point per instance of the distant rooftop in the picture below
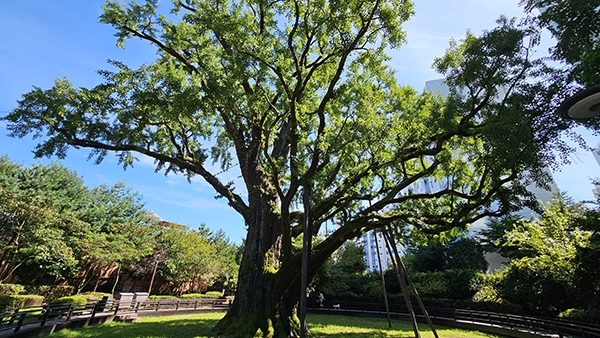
(157, 220)
(154, 218)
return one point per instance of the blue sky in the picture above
(47, 39)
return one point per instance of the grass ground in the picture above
(200, 326)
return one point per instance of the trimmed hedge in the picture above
(50, 292)
(20, 301)
(210, 294)
(214, 294)
(70, 300)
(579, 315)
(11, 289)
(161, 297)
(91, 296)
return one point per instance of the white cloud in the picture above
(186, 200)
(145, 160)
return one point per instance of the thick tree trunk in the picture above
(269, 280)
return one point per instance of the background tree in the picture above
(587, 272)
(576, 26)
(40, 228)
(460, 254)
(54, 225)
(225, 256)
(543, 280)
(119, 230)
(493, 238)
(344, 277)
(35, 237)
(297, 95)
(190, 257)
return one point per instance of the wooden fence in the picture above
(479, 320)
(16, 319)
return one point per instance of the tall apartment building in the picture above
(369, 242)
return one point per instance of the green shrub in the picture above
(70, 300)
(487, 294)
(453, 284)
(50, 292)
(537, 291)
(214, 294)
(161, 297)
(579, 315)
(9, 302)
(11, 289)
(20, 301)
(31, 300)
(461, 284)
(431, 284)
(91, 296)
(210, 294)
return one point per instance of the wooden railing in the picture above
(535, 325)
(16, 319)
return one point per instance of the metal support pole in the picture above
(403, 286)
(385, 298)
(152, 279)
(305, 249)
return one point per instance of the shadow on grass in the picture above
(176, 326)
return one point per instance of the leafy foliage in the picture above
(552, 241)
(576, 26)
(540, 277)
(461, 254)
(20, 301)
(195, 256)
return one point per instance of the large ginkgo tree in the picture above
(298, 96)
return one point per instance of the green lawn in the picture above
(199, 326)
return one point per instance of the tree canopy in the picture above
(298, 96)
(576, 26)
(52, 223)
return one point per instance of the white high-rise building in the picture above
(596, 153)
(369, 242)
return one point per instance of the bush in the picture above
(209, 294)
(431, 284)
(91, 296)
(20, 301)
(579, 315)
(50, 292)
(11, 289)
(214, 294)
(537, 291)
(70, 300)
(31, 300)
(453, 284)
(161, 297)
